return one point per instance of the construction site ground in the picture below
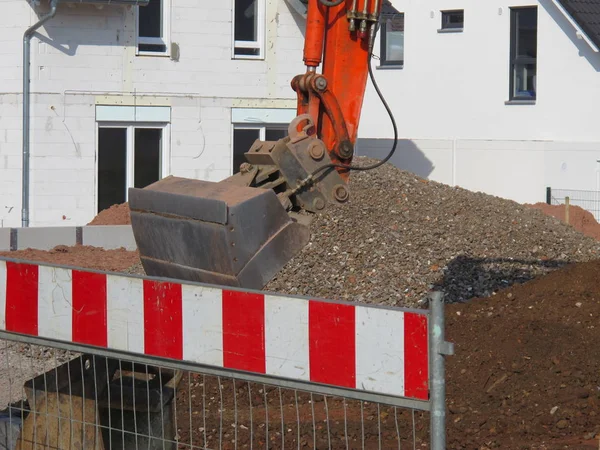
(526, 373)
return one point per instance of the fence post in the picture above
(549, 195)
(567, 203)
(439, 349)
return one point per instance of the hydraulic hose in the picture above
(310, 178)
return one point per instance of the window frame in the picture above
(516, 60)
(165, 38)
(262, 134)
(383, 61)
(259, 44)
(165, 157)
(446, 26)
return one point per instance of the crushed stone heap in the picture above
(401, 235)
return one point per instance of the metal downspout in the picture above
(26, 109)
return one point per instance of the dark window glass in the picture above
(274, 134)
(247, 51)
(112, 166)
(526, 36)
(453, 19)
(152, 48)
(523, 53)
(242, 141)
(147, 156)
(392, 40)
(151, 19)
(246, 20)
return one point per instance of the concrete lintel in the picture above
(263, 103)
(133, 100)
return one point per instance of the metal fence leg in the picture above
(439, 349)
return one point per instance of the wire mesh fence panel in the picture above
(53, 398)
(96, 360)
(588, 200)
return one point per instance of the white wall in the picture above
(449, 99)
(86, 56)
(454, 86)
(518, 170)
(84, 48)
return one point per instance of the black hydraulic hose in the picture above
(391, 152)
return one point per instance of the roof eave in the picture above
(581, 34)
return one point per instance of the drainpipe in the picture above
(26, 108)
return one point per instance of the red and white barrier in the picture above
(368, 348)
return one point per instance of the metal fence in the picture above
(60, 393)
(588, 200)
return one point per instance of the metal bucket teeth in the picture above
(216, 233)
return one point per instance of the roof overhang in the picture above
(581, 34)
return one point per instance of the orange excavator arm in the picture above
(242, 230)
(340, 35)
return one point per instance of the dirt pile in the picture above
(117, 260)
(115, 215)
(401, 235)
(526, 365)
(580, 219)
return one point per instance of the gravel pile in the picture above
(401, 236)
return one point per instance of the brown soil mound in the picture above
(527, 366)
(80, 256)
(579, 218)
(115, 215)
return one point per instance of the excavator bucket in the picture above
(218, 233)
(237, 232)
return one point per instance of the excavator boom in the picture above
(242, 230)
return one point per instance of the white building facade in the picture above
(124, 95)
(475, 111)
(115, 104)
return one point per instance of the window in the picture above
(453, 20)
(153, 27)
(128, 156)
(523, 53)
(392, 40)
(245, 135)
(248, 28)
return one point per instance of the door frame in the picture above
(165, 150)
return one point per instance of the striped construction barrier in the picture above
(373, 349)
